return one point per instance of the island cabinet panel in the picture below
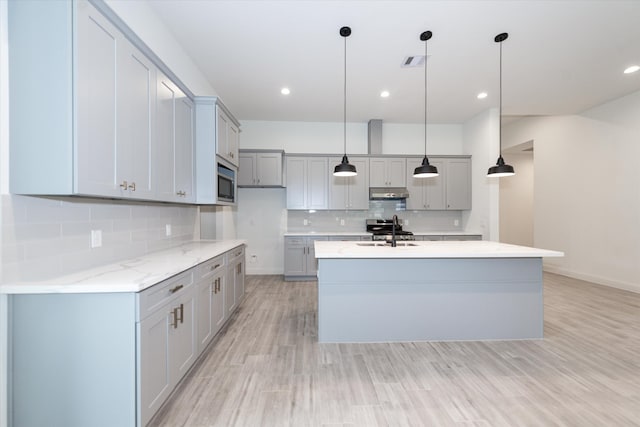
(387, 172)
(429, 299)
(349, 192)
(300, 262)
(307, 182)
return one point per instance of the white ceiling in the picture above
(561, 57)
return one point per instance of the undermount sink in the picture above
(386, 244)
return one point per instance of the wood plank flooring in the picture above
(267, 369)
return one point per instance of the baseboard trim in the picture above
(632, 287)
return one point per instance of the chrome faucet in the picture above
(394, 224)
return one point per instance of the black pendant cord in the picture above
(425, 98)
(500, 105)
(345, 98)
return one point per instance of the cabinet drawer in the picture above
(295, 241)
(235, 253)
(210, 267)
(154, 297)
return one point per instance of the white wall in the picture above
(480, 136)
(4, 188)
(516, 201)
(587, 201)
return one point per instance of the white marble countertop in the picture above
(438, 249)
(366, 233)
(131, 275)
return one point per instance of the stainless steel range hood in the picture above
(387, 193)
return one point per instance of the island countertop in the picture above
(131, 275)
(428, 249)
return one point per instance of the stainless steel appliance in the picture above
(226, 184)
(382, 229)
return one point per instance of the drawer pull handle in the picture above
(181, 317)
(213, 267)
(124, 185)
(175, 318)
(132, 186)
(176, 289)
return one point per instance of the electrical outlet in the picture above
(96, 238)
(253, 259)
(456, 222)
(405, 222)
(167, 230)
(342, 222)
(305, 222)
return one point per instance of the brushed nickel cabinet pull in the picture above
(124, 185)
(213, 267)
(174, 312)
(132, 186)
(239, 268)
(181, 317)
(176, 289)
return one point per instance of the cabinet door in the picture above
(98, 43)
(135, 109)
(182, 343)
(246, 169)
(230, 291)
(269, 169)
(435, 197)
(311, 261)
(397, 172)
(233, 141)
(317, 183)
(184, 149)
(218, 313)
(378, 172)
(358, 197)
(338, 186)
(239, 280)
(155, 372)
(165, 138)
(296, 183)
(416, 186)
(222, 139)
(295, 252)
(458, 184)
(206, 290)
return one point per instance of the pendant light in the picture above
(425, 170)
(345, 168)
(501, 169)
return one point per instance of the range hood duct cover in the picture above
(387, 193)
(375, 136)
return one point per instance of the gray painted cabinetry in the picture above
(300, 261)
(96, 132)
(349, 192)
(307, 181)
(112, 359)
(260, 169)
(387, 172)
(227, 136)
(451, 190)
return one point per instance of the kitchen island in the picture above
(418, 291)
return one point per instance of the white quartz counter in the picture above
(368, 234)
(438, 249)
(131, 275)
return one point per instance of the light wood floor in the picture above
(267, 369)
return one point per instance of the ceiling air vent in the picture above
(413, 61)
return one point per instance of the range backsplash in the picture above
(423, 221)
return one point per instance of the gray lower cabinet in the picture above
(112, 359)
(300, 261)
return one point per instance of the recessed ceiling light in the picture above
(632, 69)
(384, 94)
(285, 91)
(482, 95)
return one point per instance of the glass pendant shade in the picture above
(501, 169)
(425, 170)
(345, 168)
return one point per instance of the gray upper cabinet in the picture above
(349, 192)
(451, 190)
(387, 172)
(174, 147)
(307, 180)
(97, 130)
(260, 168)
(228, 136)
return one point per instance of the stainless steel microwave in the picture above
(226, 184)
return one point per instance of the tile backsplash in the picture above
(45, 237)
(354, 221)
